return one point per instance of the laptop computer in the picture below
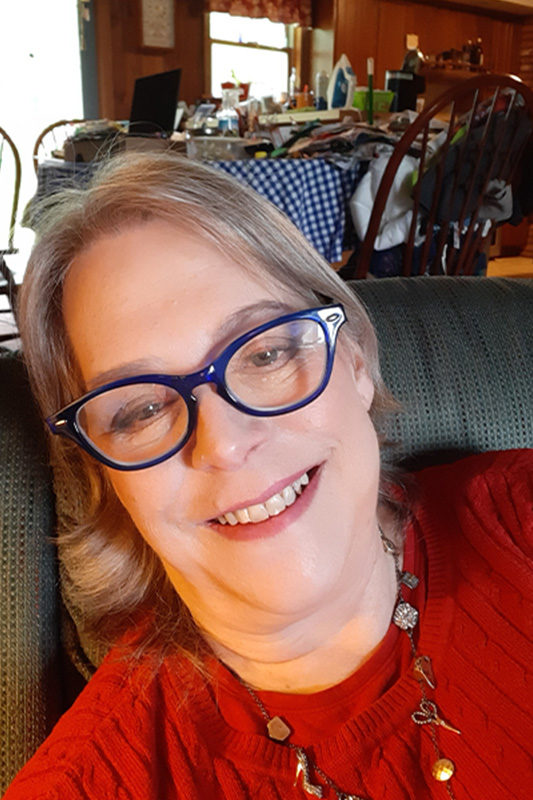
(154, 104)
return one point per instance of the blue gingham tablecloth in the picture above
(313, 193)
(54, 175)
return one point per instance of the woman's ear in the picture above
(363, 381)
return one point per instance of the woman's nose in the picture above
(224, 436)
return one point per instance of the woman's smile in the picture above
(272, 516)
(260, 510)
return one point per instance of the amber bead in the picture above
(443, 769)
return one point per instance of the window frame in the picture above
(290, 49)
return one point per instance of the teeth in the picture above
(289, 495)
(275, 505)
(270, 508)
(258, 513)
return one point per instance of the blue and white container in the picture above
(341, 84)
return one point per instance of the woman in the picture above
(285, 619)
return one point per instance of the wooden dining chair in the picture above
(457, 190)
(52, 139)
(10, 175)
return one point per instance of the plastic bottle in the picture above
(292, 88)
(228, 118)
(478, 52)
(321, 90)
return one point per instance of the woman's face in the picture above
(155, 299)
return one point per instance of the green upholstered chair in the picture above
(458, 354)
(30, 696)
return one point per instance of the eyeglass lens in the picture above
(135, 423)
(277, 369)
(280, 367)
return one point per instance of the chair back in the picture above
(10, 176)
(456, 353)
(52, 139)
(465, 188)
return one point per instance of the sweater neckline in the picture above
(382, 716)
(288, 704)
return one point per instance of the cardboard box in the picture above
(91, 148)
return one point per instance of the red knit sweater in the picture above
(139, 734)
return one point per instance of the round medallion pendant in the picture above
(443, 769)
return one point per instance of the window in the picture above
(41, 82)
(255, 51)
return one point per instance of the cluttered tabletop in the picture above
(307, 155)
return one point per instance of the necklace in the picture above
(405, 616)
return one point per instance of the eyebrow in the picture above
(247, 317)
(253, 315)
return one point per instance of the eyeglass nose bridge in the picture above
(186, 384)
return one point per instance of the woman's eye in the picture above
(265, 357)
(127, 419)
(264, 354)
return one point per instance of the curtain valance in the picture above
(286, 11)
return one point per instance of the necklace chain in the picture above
(405, 616)
(427, 712)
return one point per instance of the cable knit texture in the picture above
(137, 733)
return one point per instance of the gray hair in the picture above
(111, 576)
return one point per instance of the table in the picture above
(313, 193)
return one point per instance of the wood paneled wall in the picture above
(378, 27)
(121, 58)
(359, 28)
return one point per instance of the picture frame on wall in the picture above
(157, 32)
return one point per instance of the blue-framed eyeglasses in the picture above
(275, 368)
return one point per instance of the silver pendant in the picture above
(409, 580)
(405, 616)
